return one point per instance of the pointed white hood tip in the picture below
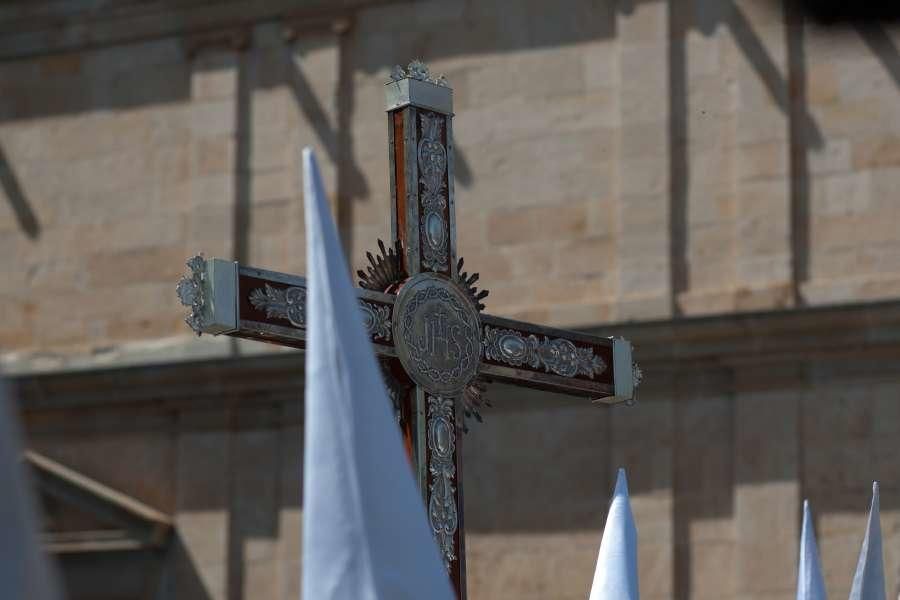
(810, 583)
(616, 576)
(365, 532)
(621, 489)
(868, 581)
(24, 569)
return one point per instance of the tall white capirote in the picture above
(810, 584)
(366, 535)
(24, 572)
(868, 581)
(616, 577)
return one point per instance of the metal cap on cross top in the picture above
(416, 85)
(424, 314)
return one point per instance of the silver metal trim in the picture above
(451, 199)
(290, 304)
(392, 172)
(438, 305)
(223, 282)
(442, 510)
(459, 415)
(293, 280)
(281, 303)
(623, 370)
(411, 172)
(416, 69)
(421, 418)
(211, 291)
(190, 292)
(284, 333)
(432, 157)
(422, 94)
(272, 331)
(556, 355)
(547, 381)
(297, 281)
(529, 328)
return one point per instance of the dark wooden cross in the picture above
(423, 314)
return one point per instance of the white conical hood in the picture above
(868, 582)
(365, 532)
(616, 576)
(810, 584)
(23, 569)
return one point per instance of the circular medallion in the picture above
(437, 333)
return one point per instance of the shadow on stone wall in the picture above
(732, 413)
(24, 214)
(882, 47)
(695, 455)
(127, 574)
(160, 71)
(787, 90)
(180, 577)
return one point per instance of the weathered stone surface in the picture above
(614, 163)
(599, 108)
(714, 455)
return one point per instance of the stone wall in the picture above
(615, 161)
(720, 454)
(677, 165)
(226, 466)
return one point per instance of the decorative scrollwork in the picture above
(385, 271)
(433, 192)
(190, 292)
(290, 304)
(463, 344)
(558, 355)
(377, 319)
(467, 282)
(282, 303)
(442, 513)
(417, 70)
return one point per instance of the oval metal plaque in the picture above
(513, 348)
(434, 229)
(437, 334)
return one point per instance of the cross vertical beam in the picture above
(423, 221)
(423, 317)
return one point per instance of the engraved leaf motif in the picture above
(442, 503)
(432, 160)
(558, 355)
(290, 304)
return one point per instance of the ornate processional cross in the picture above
(423, 314)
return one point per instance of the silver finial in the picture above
(638, 376)
(190, 292)
(417, 70)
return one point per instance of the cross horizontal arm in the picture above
(557, 360)
(267, 306)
